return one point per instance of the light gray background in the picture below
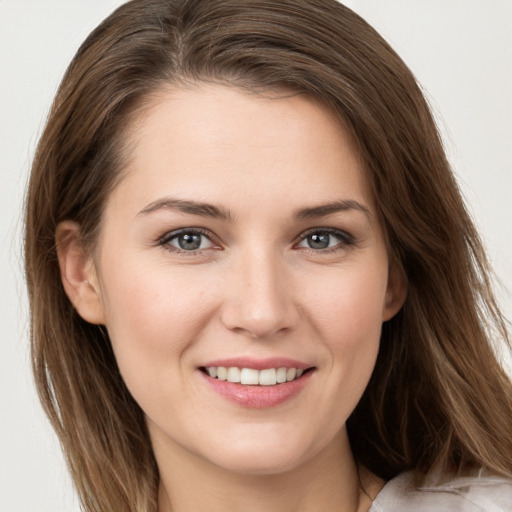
(460, 50)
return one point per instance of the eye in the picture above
(186, 240)
(322, 239)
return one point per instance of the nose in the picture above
(259, 297)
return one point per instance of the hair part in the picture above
(438, 396)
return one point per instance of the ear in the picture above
(78, 273)
(396, 292)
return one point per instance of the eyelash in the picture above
(165, 241)
(345, 240)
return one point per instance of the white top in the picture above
(480, 493)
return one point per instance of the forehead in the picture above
(226, 144)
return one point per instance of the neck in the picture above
(329, 481)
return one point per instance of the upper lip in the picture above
(258, 364)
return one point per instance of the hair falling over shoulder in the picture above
(438, 397)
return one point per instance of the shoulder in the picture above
(482, 492)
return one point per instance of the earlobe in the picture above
(78, 273)
(395, 294)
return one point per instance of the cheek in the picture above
(152, 319)
(349, 302)
(348, 317)
(152, 298)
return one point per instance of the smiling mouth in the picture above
(252, 377)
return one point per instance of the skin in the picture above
(256, 288)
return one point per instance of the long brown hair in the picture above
(438, 396)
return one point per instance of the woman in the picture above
(253, 280)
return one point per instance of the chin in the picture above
(259, 464)
(263, 454)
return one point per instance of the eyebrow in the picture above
(187, 206)
(323, 210)
(217, 212)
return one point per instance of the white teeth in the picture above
(281, 375)
(291, 373)
(252, 377)
(268, 377)
(233, 374)
(249, 376)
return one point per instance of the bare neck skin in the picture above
(329, 482)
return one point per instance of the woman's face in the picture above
(243, 235)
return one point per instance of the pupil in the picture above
(190, 242)
(319, 241)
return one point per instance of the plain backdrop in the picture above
(461, 52)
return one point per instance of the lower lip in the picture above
(258, 397)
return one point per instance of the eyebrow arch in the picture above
(187, 206)
(329, 208)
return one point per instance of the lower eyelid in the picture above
(166, 239)
(176, 237)
(345, 239)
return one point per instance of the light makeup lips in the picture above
(257, 383)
